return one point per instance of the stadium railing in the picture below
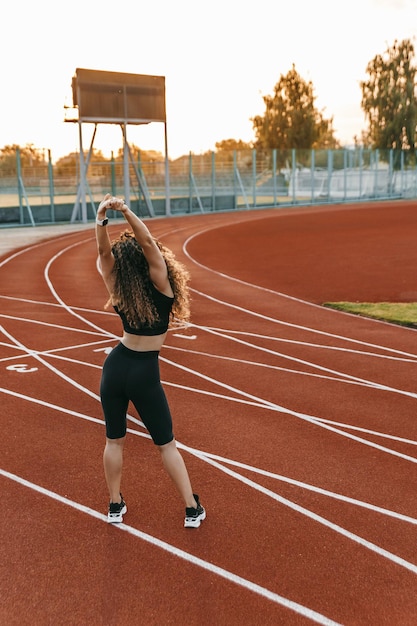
(223, 181)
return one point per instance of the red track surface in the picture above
(298, 425)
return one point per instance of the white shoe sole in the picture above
(194, 522)
(116, 518)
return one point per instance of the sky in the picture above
(219, 59)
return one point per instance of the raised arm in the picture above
(157, 267)
(105, 256)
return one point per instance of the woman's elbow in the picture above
(103, 252)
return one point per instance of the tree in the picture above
(389, 98)
(228, 145)
(140, 155)
(291, 119)
(229, 149)
(29, 156)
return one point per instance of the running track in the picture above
(298, 425)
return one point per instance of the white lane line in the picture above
(72, 311)
(59, 299)
(53, 352)
(182, 554)
(320, 346)
(210, 459)
(37, 357)
(230, 331)
(50, 353)
(337, 379)
(55, 305)
(278, 368)
(202, 455)
(50, 405)
(219, 357)
(29, 249)
(74, 346)
(99, 331)
(323, 420)
(266, 289)
(222, 335)
(313, 365)
(297, 483)
(227, 336)
(260, 404)
(53, 291)
(303, 416)
(315, 517)
(301, 327)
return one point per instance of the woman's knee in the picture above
(114, 443)
(167, 447)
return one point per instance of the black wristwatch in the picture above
(102, 222)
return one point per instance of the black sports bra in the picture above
(163, 306)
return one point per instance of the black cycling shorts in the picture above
(132, 375)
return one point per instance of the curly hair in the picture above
(132, 288)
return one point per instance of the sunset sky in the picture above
(218, 59)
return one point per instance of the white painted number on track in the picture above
(22, 368)
(105, 350)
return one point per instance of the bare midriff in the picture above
(143, 343)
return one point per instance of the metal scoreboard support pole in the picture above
(126, 177)
(167, 183)
(117, 98)
(83, 177)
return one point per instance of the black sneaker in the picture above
(194, 517)
(116, 511)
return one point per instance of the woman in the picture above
(147, 287)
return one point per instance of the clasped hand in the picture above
(110, 202)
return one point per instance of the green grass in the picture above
(404, 313)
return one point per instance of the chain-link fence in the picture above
(220, 181)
